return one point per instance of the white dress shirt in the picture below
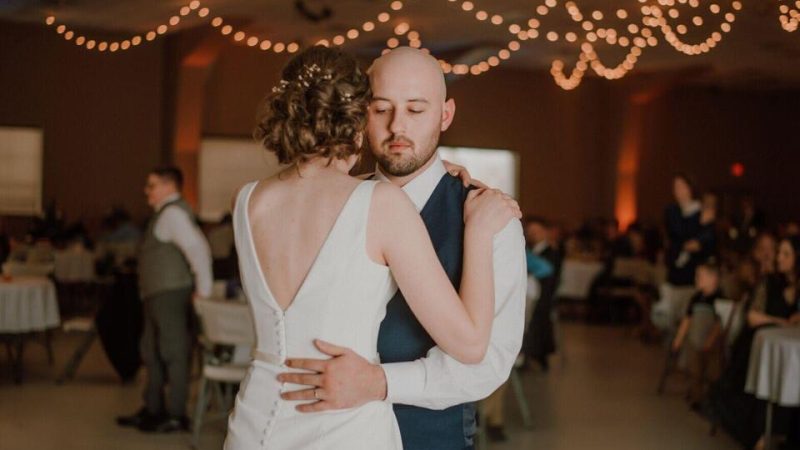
(176, 226)
(438, 381)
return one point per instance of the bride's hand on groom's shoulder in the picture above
(346, 380)
(489, 210)
(462, 172)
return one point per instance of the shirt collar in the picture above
(690, 208)
(420, 188)
(169, 199)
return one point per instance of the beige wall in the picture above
(101, 116)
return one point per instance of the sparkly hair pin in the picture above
(308, 76)
(281, 87)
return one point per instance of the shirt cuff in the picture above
(404, 381)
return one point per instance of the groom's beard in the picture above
(401, 164)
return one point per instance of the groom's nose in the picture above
(398, 123)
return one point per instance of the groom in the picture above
(432, 393)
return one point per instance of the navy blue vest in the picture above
(402, 337)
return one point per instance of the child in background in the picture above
(707, 282)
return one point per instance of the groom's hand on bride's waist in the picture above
(346, 380)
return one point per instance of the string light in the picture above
(292, 47)
(414, 40)
(217, 22)
(593, 29)
(656, 18)
(90, 43)
(595, 32)
(789, 15)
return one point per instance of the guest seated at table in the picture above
(745, 225)
(118, 243)
(763, 252)
(775, 303)
(588, 242)
(746, 278)
(50, 224)
(223, 252)
(539, 343)
(791, 229)
(699, 359)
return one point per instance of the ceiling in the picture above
(757, 52)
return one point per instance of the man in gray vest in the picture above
(174, 267)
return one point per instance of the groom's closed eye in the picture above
(380, 109)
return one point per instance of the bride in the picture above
(321, 253)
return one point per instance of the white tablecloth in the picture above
(577, 277)
(28, 304)
(774, 370)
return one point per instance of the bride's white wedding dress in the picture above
(343, 301)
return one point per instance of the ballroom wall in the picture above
(101, 115)
(703, 131)
(108, 119)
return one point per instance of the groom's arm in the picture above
(437, 381)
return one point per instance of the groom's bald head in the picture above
(412, 65)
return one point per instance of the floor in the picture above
(600, 394)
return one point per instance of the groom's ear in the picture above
(448, 112)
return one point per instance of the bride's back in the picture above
(290, 218)
(313, 119)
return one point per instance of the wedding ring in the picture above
(315, 395)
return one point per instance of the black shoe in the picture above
(166, 425)
(496, 434)
(136, 420)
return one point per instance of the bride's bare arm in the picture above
(461, 326)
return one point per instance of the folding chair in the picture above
(223, 323)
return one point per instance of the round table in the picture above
(774, 370)
(27, 305)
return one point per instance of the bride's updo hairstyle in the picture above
(319, 108)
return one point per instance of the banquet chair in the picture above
(625, 289)
(669, 309)
(86, 327)
(574, 288)
(222, 323)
